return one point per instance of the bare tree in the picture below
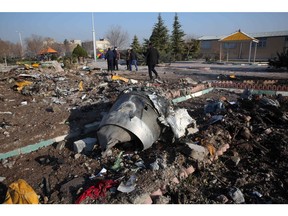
(117, 37)
(9, 50)
(59, 47)
(48, 41)
(34, 44)
(3, 49)
(16, 50)
(67, 49)
(191, 46)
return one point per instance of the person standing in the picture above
(128, 59)
(152, 58)
(116, 58)
(109, 56)
(133, 59)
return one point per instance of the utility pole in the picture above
(94, 41)
(21, 44)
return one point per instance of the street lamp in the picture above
(21, 44)
(94, 41)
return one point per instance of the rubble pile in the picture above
(221, 147)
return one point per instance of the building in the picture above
(101, 46)
(240, 46)
(76, 42)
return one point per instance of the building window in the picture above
(206, 44)
(262, 42)
(229, 45)
(286, 38)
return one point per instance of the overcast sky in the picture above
(74, 21)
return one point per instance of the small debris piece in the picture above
(222, 199)
(129, 186)
(85, 145)
(116, 77)
(236, 195)
(195, 151)
(80, 86)
(97, 191)
(20, 192)
(140, 197)
(68, 189)
(179, 120)
(22, 84)
(117, 165)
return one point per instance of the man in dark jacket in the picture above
(116, 58)
(152, 58)
(109, 56)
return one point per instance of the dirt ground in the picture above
(55, 104)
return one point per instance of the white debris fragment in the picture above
(178, 121)
(129, 186)
(86, 144)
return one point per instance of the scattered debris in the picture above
(215, 146)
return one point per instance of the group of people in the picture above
(112, 57)
(152, 58)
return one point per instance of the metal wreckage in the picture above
(141, 116)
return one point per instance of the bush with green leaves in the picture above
(79, 52)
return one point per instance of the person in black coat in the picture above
(152, 58)
(128, 59)
(116, 58)
(109, 56)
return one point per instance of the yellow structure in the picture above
(238, 37)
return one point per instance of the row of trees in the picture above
(33, 45)
(174, 47)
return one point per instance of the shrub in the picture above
(280, 61)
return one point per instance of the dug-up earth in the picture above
(242, 155)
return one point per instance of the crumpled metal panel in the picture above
(133, 116)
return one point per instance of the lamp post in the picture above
(93, 36)
(21, 44)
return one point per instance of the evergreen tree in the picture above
(136, 45)
(160, 36)
(177, 41)
(145, 45)
(79, 52)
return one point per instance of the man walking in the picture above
(152, 58)
(133, 59)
